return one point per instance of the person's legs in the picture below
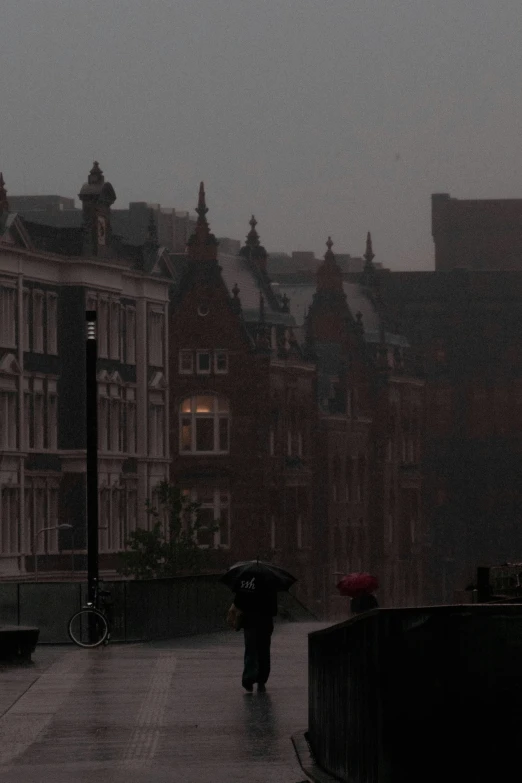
(250, 671)
(264, 638)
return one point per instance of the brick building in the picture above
(370, 406)
(49, 276)
(242, 405)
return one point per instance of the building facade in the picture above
(291, 413)
(48, 278)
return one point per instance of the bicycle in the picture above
(89, 627)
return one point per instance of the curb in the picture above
(307, 761)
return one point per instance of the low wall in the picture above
(141, 610)
(418, 695)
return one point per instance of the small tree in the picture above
(170, 545)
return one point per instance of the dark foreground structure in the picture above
(422, 695)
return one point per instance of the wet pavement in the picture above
(166, 711)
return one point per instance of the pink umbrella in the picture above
(355, 585)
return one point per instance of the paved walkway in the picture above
(171, 711)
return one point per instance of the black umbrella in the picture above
(240, 575)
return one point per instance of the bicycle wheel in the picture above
(88, 628)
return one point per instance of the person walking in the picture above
(255, 584)
(257, 603)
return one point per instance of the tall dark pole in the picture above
(91, 425)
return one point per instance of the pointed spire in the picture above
(202, 245)
(201, 208)
(252, 239)
(369, 254)
(369, 277)
(329, 245)
(329, 275)
(4, 204)
(95, 175)
(253, 250)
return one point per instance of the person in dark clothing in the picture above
(363, 603)
(259, 606)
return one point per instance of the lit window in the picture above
(186, 362)
(212, 520)
(203, 362)
(221, 362)
(204, 425)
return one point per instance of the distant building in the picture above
(173, 226)
(464, 327)
(476, 234)
(302, 266)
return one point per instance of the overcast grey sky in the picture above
(321, 116)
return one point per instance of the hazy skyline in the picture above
(319, 117)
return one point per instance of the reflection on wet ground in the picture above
(167, 711)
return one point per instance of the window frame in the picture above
(194, 496)
(216, 415)
(203, 352)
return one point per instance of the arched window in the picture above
(204, 425)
